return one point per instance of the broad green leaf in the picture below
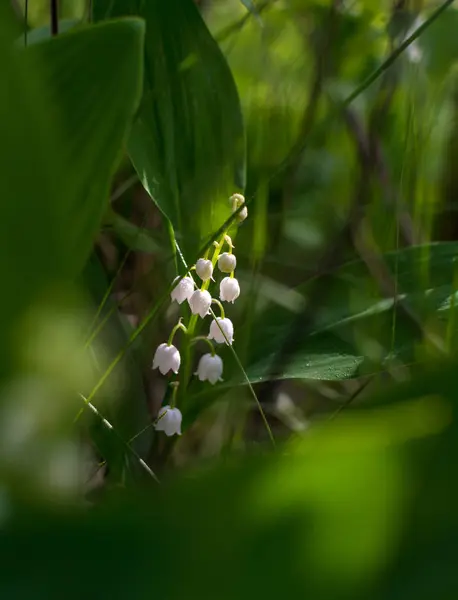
(62, 123)
(83, 73)
(187, 143)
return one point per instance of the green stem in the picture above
(204, 339)
(186, 372)
(173, 400)
(215, 301)
(178, 326)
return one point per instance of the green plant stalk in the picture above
(192, 326)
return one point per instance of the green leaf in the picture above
(441, 45)
(62, 122)
(187, 143)
(83, 72)
(134, 237)
(323, 519)
(354, 312)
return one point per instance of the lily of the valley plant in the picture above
(167, 357)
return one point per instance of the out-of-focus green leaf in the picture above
(354, 316)
(65, 124)
(82, 73)
(339, 514)
(187, 143)
(134, 237)
(440, 44)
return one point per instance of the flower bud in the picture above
(210, 368)
(216, 333)
(229, 289)
(242, 215)
(166, 358)
(237, 201)
(227, 262)
(200, 303)
(183, 290)
(204, 268)
(169, 421)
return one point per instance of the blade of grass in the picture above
(250, 387)
(396, 53)
(151, 315)
(127, 445)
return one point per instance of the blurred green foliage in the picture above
(347, 264)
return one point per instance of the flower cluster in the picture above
(210, 367)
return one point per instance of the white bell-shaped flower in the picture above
(216, 333)
(227, 262)
(210, 368)
(166, 358)
(204, 268)
(229, 289)
(169, 421)
(200, 303)
(183, 290)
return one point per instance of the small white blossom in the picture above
(169, 421)
(200, 303)
(227, 262)
(237, 201)
(229, 289)
(210, 368)
(204, 268)
(216, 333)
(166, 358)
(183, 290)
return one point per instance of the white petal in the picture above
(204, 268)
(162, 418)
(183, 290)
(227, 262)
(157, 360)
(216, 333)
(200, 303)
(210, 368)
(166, 358)
(169, 421)
(229, 289)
